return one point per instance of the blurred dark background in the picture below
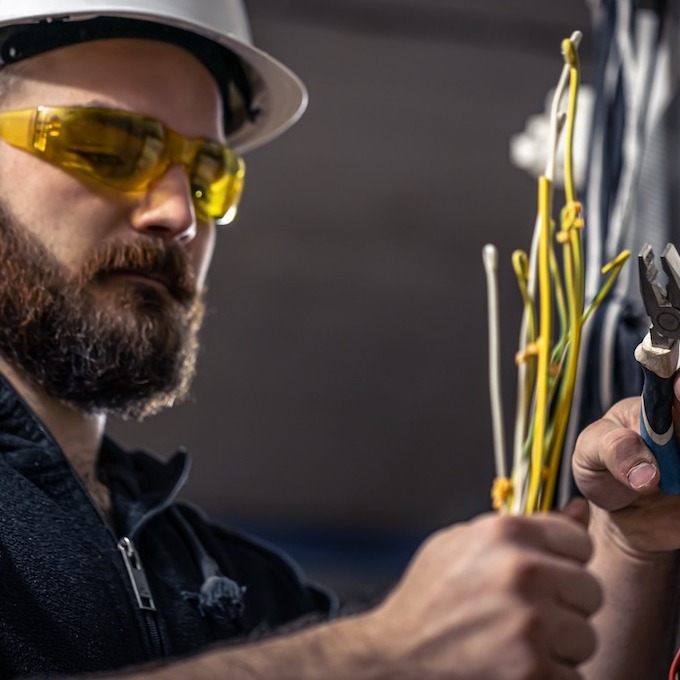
(341, 408)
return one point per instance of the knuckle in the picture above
(527, 629)
(621, 444)
(510, 528)
(582, 438)
(524, 573)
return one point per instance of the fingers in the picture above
(616, 471)
(546, 576)
(526, 664)
(554, 533)
(573, 639)
(612, 466)
(548, 564)
(556, 642)
(515, 588)
(579, 591)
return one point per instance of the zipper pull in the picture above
(136, 573)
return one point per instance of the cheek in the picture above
(58, 210)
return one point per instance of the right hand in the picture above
(498, 598)
(616, 471)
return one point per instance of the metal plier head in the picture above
(662, 304)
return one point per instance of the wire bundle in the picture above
(553, 294)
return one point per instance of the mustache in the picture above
(152, 258)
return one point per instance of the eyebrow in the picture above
(97, 104)
(100, 104)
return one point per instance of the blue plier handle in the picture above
(657, 354)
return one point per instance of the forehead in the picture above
(147, 76)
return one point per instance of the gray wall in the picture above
(343, 380)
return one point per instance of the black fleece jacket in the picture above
(67, 600)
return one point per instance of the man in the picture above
(118, 131)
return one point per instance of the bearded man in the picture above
(120, 133)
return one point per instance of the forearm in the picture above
(636, 625)
(335, 651)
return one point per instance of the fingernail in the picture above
(641, 475)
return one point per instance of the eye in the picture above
(103, 164)
(108, 161)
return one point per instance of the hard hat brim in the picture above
(278, 94)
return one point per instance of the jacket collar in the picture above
(141, 485)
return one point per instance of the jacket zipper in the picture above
(140, 586)
(128, 551)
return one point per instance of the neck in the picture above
(78, 434)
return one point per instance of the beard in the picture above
(101, 339)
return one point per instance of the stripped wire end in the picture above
(570, 48)
(617, 262)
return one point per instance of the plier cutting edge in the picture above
(657, 354)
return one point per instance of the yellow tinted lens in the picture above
(216, 177)
(127, 152)
(115, 148)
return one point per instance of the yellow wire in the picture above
(543, 430)
(574, 278)
(548, 371)
(613, 268)
(526, 372)
(560, 300)
(545, 322)
(520, 265)
(570, 55)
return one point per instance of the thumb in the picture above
(577, 509)
(612, 466)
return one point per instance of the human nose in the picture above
(167, 209)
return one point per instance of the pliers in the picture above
(657, 354)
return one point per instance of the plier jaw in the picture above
(657, 354)
(661, 304)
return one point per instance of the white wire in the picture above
(490, 258)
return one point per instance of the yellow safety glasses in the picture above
(127, 152)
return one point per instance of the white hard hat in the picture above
(263, 97)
